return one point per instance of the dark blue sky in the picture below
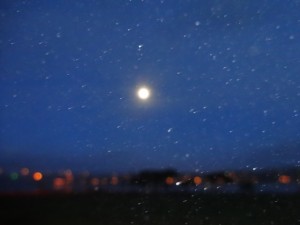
(224, 77)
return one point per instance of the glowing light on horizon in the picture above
(197, 180)
(170, 180)
(284, 179)
(114, 180)
(14, 176)
(59, 183)
(95, 181)
(24, 171)
(37, 176)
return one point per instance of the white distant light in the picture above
(143, 93)
(178, 183)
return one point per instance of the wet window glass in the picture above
(149, 112)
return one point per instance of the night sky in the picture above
(223, 75)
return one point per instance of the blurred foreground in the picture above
(160, 197)
(254, 181)
(155, 208)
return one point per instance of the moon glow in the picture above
(143, 93)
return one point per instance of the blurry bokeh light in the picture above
(284, 179)
(170, 181)
(37, 176)
(197, 180)
(24, 171)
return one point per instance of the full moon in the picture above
(143, 93)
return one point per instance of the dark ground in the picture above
(160, 209)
